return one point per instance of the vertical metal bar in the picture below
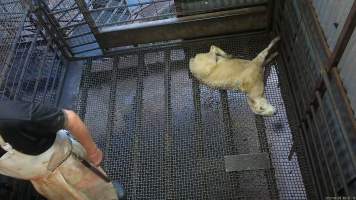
(13, 47)
(315, 149)
(332, 143)
(54, 80)
(229, 137)
(48, 79)
(17, 68)
(197, 114)
(318, 133)
(336, 76)
(344, 133)
(27, 60)
(60, 83)
(97, 20)
(112, 104)
(139, 125)
(42, 66)
(84, 89)
(168, 137)
(311, 161)
(262, 137)
(89, 19)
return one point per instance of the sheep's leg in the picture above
(261, 57)
(267, 70)
(258, 102)
(271, 57)
(219, 52)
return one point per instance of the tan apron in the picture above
(57, 173)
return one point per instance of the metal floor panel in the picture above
(165, 136)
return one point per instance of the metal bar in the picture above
(23, 54)
(332, 143)
(344, 37)
(51, 25)
(315, 149)
(316, 125)
(59, 3)
(138, 125)
(79, 45)
(126, 6)
(198, 125)
(335, 74)
(72, 25)
(226, 22)
(229, 135)
(102, 13)
(71, 20)
(319, 31)
(123, 22)
(54, 80)
(64, 10)
(339, 119)
(78, 35)
(84, 89)
(12, 50)
(42, 64)
(48, 79)
(180, 43)
(61, 16)
(168, 135)
(113, 13)
(112, 104)
(311, 161)
(27, 60)
(263, 146)
(88, 18)
(60, 83)
(87, 50)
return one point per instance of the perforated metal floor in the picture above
(165, 136)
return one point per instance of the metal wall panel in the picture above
(332, 15)
(347, 68)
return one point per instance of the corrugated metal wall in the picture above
(332, 15)
(347, 67)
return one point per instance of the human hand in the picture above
(95, 156)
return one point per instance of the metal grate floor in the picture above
(165, 135)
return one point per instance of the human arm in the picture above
(78, 129)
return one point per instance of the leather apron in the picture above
(57, 173)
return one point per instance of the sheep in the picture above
(219, 70)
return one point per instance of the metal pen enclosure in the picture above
(165, 135)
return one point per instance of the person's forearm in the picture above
(78, 129)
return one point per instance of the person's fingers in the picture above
(96, 157)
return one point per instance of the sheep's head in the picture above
(260, 106)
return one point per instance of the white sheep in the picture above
(219, 70)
